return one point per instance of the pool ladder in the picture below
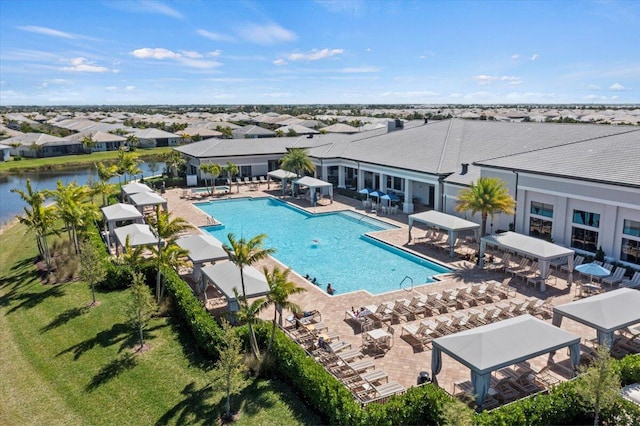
(407, 278)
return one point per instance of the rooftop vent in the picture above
(465, 168)
(426, 120)
(310, 136)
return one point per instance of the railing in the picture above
(407, 277)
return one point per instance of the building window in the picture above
(541, 209)
(540, 228)
(584, 239)
(586, 218)
(245, 171)
(630, 251)
(394, 183)
(631, 227)
(273, 165)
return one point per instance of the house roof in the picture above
(340, 128)
(98, 136)
(34, 138)
(253, 130)
(153, 134)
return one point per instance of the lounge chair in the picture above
(634, 282)
(479, 292)
(506, 391)
(530, 271)
(464, 296)
(616, 278)
(247, 180)
(449, 298)
(434, 302)
(499, 266)
(513, 270)
(489, 315)
(578, 260)
(263, 179)
(375, 376)
(419, 333)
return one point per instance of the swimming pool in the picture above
(332, 247)
(223, 188)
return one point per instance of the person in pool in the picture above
(330, 289)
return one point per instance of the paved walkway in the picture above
(401, 363)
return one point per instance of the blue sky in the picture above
(300, 52)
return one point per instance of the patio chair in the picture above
(530, 271)
(464, 296)
(478, 291)
(415, 306)
(247, 180)
(513, 270)
(578, 260)
(517, 307)
(525, 383)
(434, 302)
(499, 266)
(449, 298)
(489, 315)
(375, 376)
(616, 278)
(506, 391)
(263, 179)
(634, 282)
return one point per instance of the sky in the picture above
(132, 52)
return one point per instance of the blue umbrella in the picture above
(377, 194)
(390, 197)
(593, 270)
(365, 191)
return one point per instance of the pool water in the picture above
(332, 247)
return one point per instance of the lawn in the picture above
(64, 363)
(67, 161)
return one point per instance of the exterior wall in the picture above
(174, 141)
(5, 154)
(147, 143)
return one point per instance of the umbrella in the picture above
(593, 269)
(390, 197)
(377, 194)
(365, 191)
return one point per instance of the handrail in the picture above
(407, 277)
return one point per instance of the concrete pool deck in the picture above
(401, 363)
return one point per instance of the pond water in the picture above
(11, 204)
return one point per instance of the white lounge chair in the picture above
(634, 282)
(616, 278)
(576, 261)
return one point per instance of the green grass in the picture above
(67, 161)
(64, 363)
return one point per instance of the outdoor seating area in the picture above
(353, 367)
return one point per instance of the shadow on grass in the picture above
(112, 370)
(28, 300)
(119, 333)
(188, 345)
(193, 408)
(64, 318)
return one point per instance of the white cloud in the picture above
(613, 98)
(197, 63)
(280, 62)
(410, 94)
(84, 65)
(512, 79)
(315, 55)
(277, 95)
(130, 88)
(368, 49)
(360, 70)
(155, 53)
(516, 56)
(266, 34)
(214, 53)
(617, 87)
(214, 36)
(483, 80)
(47, 31)
(534, 56)
(191, 54)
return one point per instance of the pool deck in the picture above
(401, 363)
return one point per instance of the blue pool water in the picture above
(331, 247)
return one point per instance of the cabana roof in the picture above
(491, 347)
(135, 187)
(282, 174)
(120, 211)
(605, 312)
(139, 235)
(226, 276)
(524, 244)
(443, 221)
(142, 199)
(202, 248)
(312, 182)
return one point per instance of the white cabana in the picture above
(139, 235)
(146, 199)
(281, 175)
(606, 312)
(491, 347)
(542, 250)
(133, 188)
(226, 276)
(119, 212)
(202, 248)
(313, 184)
(452, 224)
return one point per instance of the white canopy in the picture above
(202, 248)
(144, 199)
(543, 250)
(133, 188)
(118, 213)
(605, 312)
(453, 224)
(491, 347)
(281, 175)
(226, 276)
(139, 235)
(313, 183)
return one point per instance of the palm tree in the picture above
(487, 196)
(279, 133)
(297, 160)
(280, 288)
(166, 229)
(132, 141)
(232, 170)
(88, 143)
(103, 186)
(248, 314)
(245, 253)
(173, 161)
(213, 170)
